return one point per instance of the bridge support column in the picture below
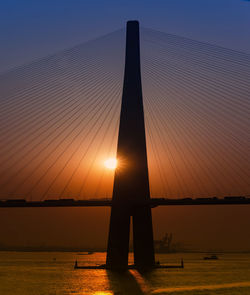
(131, 183)
(143, 239)
(118, 244)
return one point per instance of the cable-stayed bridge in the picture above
(60, 117)
(60, 120)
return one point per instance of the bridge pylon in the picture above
(131, 182)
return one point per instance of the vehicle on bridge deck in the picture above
(15, 201)
(235, 198)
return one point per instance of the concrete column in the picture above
(131, 184)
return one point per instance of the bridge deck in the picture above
(154, 202)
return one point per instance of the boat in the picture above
(211, 257)
(86, 253)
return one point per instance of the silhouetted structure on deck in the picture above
(131, 181)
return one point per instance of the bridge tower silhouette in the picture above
(131, 182)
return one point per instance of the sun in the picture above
(110, 163)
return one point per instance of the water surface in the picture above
(52, 273)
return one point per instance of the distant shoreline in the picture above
(102, 251)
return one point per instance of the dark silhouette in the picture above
(153, 202)
(165, 244)
(131, 183)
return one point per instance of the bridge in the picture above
(57, 115)
(153, 202)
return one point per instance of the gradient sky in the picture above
(31, 29)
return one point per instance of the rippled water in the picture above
(53, 273)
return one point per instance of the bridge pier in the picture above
(143, 239)
(131, 183)
(118, 244)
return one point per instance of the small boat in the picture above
(86, 253)
(102, 266)
(212, 257)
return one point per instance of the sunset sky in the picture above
(30, 30)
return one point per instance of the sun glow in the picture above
(110, 163)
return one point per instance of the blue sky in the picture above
(31, 28)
